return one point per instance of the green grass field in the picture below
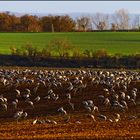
(113, 42)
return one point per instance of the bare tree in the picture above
(84, 23)
(100, 21)
(114, 27)
(121, 19)
(135, 22)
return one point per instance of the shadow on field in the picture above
(130, 62)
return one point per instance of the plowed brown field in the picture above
(85, 130)
(79, 126)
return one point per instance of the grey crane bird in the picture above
(62, 111)
(3, 106)
(67, 119)
(15, 103)
(117, 117)
(30, 103)
(102, 117)
(91, 116)
(18, 115)
(37, 99)
(18, 93)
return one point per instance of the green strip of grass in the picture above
(125, 43)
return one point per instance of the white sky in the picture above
(68, 6)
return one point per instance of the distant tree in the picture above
(9, 22)
(5, 22)
(101, 25)
(57, 23)
(135, 22)
(47, 23)
(121, 18)
(84, 23)
(100, 21)
(15, 23)
(30, 23)
(67, 24)
(114, 27)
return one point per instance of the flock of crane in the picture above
(105, 95)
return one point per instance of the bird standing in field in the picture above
(37, 99)
(18, 115)
(14, 104)
(62, 111)
(18, 93)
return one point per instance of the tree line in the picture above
(119, 20)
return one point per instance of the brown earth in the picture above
(85, 130)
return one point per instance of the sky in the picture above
(53, 7)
